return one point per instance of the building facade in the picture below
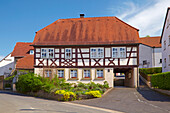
(150, 52)
(88, 49)
(6, 67)
(165, 41)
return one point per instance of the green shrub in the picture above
(161, 80)
(98, 89)
(100, 85)
(7, 85)
(95, 94)
(48, 86)
(10, 77)
(150, 70)
(28, 83)
(92, 85)
(80, 84)
(106, 84)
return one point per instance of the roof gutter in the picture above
(89, 45)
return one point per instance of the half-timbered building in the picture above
(88, 49)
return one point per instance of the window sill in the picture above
(61, 78)
(73, 79)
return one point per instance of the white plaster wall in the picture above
(5, 64)
(108, 75)
(145, 53)
(166, 52)
(157, 53)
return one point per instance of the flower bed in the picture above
(58, 89)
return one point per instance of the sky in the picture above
(20, 19)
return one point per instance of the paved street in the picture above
(131, 100)
(14, 103)
(127, 100)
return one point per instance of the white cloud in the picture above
(149, 20)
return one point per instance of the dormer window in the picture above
(31, 52)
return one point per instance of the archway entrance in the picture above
(123, 77)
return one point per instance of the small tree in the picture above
(28, 82)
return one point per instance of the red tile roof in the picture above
(151, 41)
(87, 31)
(21, 49)
(26, 62)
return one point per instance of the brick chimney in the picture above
(81, 15)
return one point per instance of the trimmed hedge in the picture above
(161, 80)
(151, 70)
(147, 72)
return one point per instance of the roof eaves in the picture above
(127, 24)
(164, 23)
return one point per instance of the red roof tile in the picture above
(26, 62)
(83, 31)
(151, 41)
(21, 49)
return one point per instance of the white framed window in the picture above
(160, 61)
(31, 52)
(99, 73)
(73, 73)
(145, 62)
(50, 53)
(100, 52)
(86, 73)
(122, 52)
(119, 52)
(164, 62)
(48, 73)
(93, 52)
(164, 44)
(47, 52)
(43, 53)
(169, 60)
(97, 52)
(115, 52)
(60, 73)
(68, 53)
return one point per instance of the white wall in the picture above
(108, 75)
(5, 64)
(145, 53)
(152, 55)
(156, 56)
(166, 52)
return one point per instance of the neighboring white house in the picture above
(6, 65)
(150, 54)
(165, 41)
